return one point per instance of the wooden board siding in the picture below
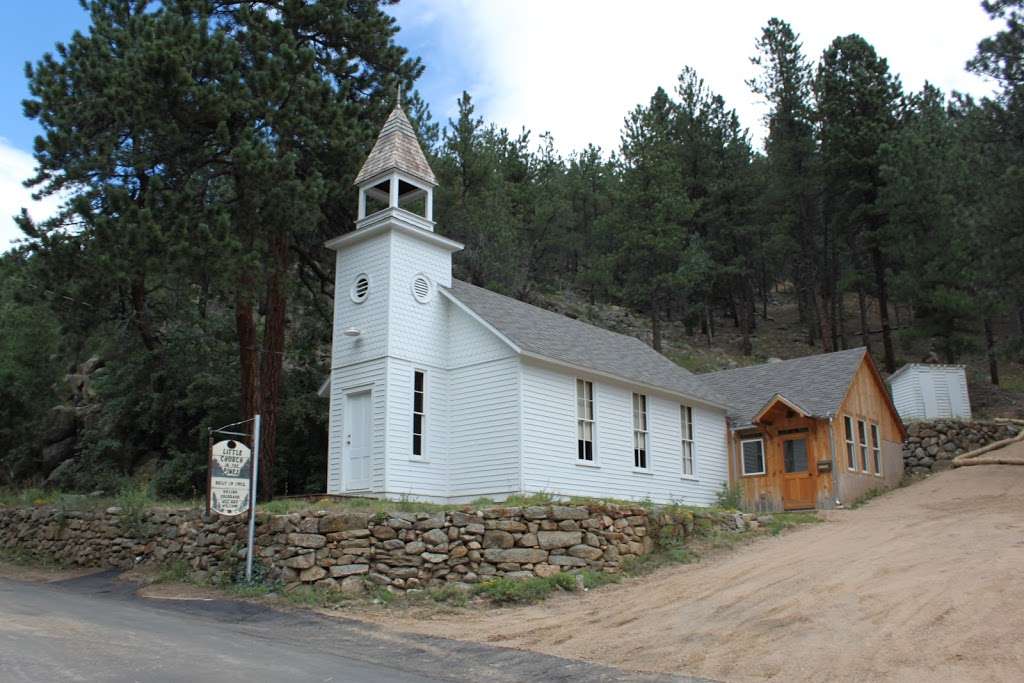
(868, 400)
(764, 492)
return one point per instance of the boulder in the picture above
(515, 555)
(558, 539)
(498, 539)
(307, 540)
(345, 570)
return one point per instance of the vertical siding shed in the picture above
(928, 392)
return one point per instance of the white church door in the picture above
(357, 450)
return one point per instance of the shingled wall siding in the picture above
(931, 446)
(401, 550)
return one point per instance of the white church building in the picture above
(444, 391)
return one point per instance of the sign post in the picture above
(233, 475)
(252, 497)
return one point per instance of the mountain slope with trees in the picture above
(207, 149)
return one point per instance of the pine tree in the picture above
(856, 97)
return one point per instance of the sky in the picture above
(573, 68)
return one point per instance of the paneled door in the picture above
(357, 449)
(798, 482)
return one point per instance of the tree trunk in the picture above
(862, 303)
(709, 324)
(990, 350)
(273, 362)
(139, 314)
(746, 317)
(881, 283)
(823, 305)
(248, 355)
(655, 330)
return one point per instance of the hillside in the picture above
(782, 336)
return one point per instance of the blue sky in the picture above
(570, 67)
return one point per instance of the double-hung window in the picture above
(686, 422)
(862, 432)
(851, 447)
(752, 451)
(419, 411)
(876, 449)
(584, 421)
(640, 459)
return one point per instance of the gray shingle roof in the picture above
(558, 338)
(397, 149)
(818, 384)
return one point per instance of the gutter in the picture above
(835, 472)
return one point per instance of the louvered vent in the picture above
(360, 288)
(421, 288)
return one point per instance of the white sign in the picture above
(230, 470)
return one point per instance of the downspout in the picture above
(835, 472)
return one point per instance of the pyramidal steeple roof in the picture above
(397, 149)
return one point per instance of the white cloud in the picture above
(15, 167)
(576, 67)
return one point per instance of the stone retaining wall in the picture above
(400, 550)
(931, 446)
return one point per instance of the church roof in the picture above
(817, 384)
(397, 149)
(550, 336)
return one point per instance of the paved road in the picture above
(96, 629)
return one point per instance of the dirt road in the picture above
(923, 584)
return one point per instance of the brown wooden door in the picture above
(798, 476)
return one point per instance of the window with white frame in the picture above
(419, 411)
(862, 432)
(876, 449)
(686, 422)
(752, 451)
(640, 459)
(851, 446)
(585, 420)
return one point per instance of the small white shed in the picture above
(922, 391)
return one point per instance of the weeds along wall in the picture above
(350, 550)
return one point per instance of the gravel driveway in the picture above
(922, 584)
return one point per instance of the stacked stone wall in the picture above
(932, 445)
(348, 550)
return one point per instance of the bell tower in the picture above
(390, 326)
(396, 182)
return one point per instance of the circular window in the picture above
(360, 288)
(422, 288)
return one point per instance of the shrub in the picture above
(730, 497)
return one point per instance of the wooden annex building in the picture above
(812, 432)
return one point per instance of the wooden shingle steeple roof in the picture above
(397, 149)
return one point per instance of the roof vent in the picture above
(422, 288)
(360, 288)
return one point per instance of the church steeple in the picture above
(396, 176)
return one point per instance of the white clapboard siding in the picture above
(369, 317)
(550, 461)
(367, 375)
(484, 429)
(418, 331)
(409, 475)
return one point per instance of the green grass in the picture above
(868, 496)
(506, 591)
(785, 520)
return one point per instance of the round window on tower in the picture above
(360, 288)
(422, 288)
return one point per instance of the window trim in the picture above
(593, 423)
(743, 460)
(422, 455)
(876, 448)
(644, 429)
(862, 440)
(684, 441)
(851, 444)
